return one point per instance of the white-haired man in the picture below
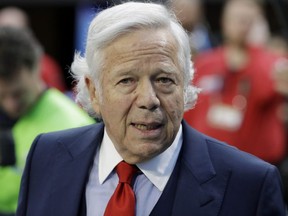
(143, 159)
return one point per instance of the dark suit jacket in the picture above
(210, 178)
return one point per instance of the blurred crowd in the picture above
(243, 81)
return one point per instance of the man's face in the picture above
(18, 93)
(142, 99)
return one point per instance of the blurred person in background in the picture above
(28, 108)
(242, 88)
(191, 16)
(259, 31)
(51, 72)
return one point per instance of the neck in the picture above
(241, 46)
(236, 56)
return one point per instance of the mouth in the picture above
(147, 127)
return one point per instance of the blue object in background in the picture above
(84, 15)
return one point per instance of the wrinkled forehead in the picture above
(142, 43)
(145, 52)
(161, 35)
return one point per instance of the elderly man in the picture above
(143, 159)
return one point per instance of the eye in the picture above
(165, 80)
(127, 81)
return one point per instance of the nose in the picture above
(146, 96)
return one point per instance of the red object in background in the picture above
(51, 73)
(248, 96)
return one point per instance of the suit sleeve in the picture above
(24, 188)
(271, 200)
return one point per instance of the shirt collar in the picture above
(158, 170)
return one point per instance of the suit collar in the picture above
(75, 154)
(197, 158)
(79, 142)
(196, 155)
(194, 187)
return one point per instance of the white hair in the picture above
(115, 22)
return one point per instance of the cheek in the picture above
(175, 109)
(179, 111)
(114, 107)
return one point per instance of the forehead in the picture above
(143, 45)
(240, 9)
(185, 4)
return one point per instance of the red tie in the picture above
(122, 202)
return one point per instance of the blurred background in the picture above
(61, 28)
(61, 25)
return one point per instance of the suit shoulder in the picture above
(75, 131)
(49, 147)
(224, 155)
(48, 141)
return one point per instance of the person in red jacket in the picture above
(241, 94)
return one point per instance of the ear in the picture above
(94, 97)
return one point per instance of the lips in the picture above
(146, 127)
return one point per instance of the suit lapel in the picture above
(71, 171)
(194, 187)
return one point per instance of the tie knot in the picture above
(125, 172)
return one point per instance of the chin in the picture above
(147, 154)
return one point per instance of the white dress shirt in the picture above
(148, 186)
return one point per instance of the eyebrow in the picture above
(161, 67)
(171, 69)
